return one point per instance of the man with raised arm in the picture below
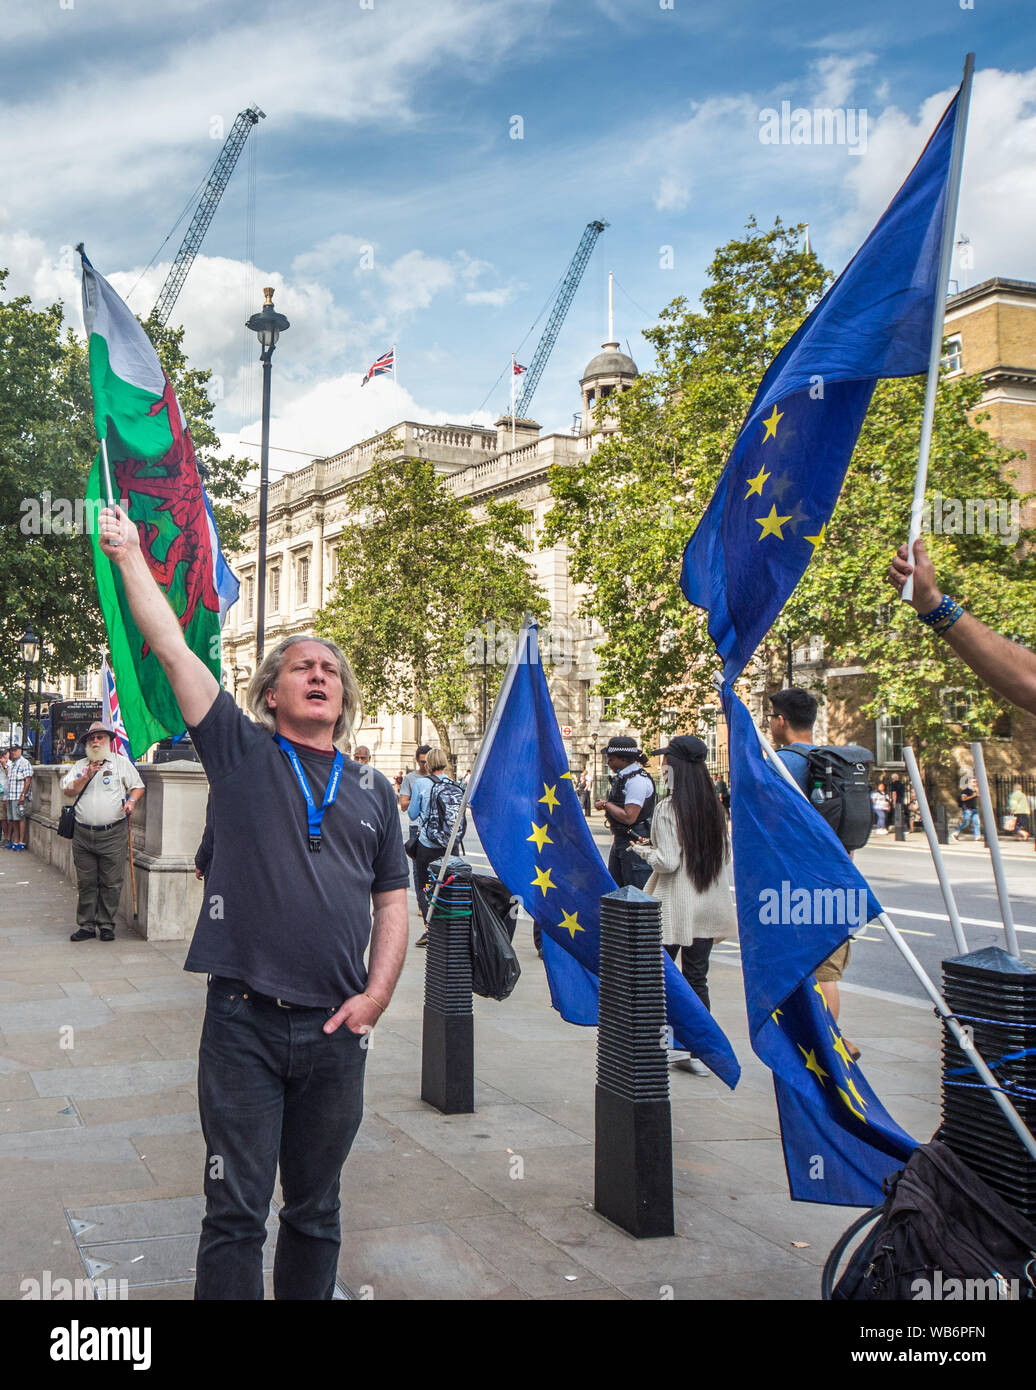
(1006, 667)
(303, 841)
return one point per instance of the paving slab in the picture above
(427, 1261)
(31, 1116)
(116, 1080)
(494, 1127)
(38, 1015)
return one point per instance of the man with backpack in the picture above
(435, 805)
(835, 781)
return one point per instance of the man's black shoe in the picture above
(107, 934)
(422, 940)
(83, 934)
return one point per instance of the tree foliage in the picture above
(418, 574)
(628, 511)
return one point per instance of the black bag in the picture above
(410, 848)
(839, 788)
(444, 801)
(942, 1234)
(494, 965)
(500, 899)
(67, 819)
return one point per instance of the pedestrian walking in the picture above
(880, 803)
(689, 853)
(405, 801)
(967, 800)
(303, 843)
(106, 788)
(5, 758)
(19, 789)
(628, 809)
(1018, 806)
(436, 802)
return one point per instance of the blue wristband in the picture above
(942, 618)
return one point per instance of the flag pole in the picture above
(964, 1041)
(512, 401)
(993, 845)
(484, 749)
(938, 317)
(395, 378)
(933, 844)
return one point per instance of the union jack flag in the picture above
(518, 368)
(385, 364)
(111, 713)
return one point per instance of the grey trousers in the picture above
(100, 860)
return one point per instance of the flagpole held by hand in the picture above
(935, 352)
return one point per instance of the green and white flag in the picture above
(155, 478)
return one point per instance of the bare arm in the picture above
(1006, 667)
(387, 953)
(404, 802)
(194, 685)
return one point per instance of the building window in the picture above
(250, 596)
(956, 705)
(953, 358)
(888, 730)
(275, 589)
(82, 684)
(1002, 726)
(610, 708)
(707, 733)
(302, 581)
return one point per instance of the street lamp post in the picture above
(485, 672)
(593, 753)
(30, 646)
(267, 326)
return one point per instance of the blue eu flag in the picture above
(534, 832)
(799, 897)
(771, 507)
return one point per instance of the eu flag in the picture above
(770, 510)
(535, 835)
(799, 897)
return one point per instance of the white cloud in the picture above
(495, 298)
(674, 193)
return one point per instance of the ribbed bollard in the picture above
(448, 1037)
(994, 995)
(633, 1156)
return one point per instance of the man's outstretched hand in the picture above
(118, 535)
(927, 594)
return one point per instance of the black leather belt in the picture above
(110, 826)
(249, 993)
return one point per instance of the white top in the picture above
(101, 803)
(687, 915)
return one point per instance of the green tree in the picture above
(418, 574)
(628, 512)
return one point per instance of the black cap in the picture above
(685, 747)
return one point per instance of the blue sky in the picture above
(389, 126)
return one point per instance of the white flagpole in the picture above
(993, 845)
(933, 844)
(107, 473)
(935, 351)
(499, 704)
(963, 1040)
(395, 379)
(512, 401)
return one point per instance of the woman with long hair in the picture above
(689, 851)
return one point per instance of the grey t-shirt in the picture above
(290, 923)
(406, 788)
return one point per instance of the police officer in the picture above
(628, 809)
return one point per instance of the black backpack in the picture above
(443, 805)
(941, 1235)
(839, 788)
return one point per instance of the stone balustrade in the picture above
(167, 828)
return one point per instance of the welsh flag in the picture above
(155, 478)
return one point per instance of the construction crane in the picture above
(205, 211)
(566, 294)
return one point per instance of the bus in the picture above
(69, 721)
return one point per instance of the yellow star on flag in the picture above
(858, 1113)
(543, 880)
(812, 1064)
(756, 484)
(840, 1047)
(777, 1013)
(569, 922)
(772, 423)
(818, 539)
(849, 1083)
(821, 993)
(566, 775)
(772, 524)
(549, 796)
(539, 834)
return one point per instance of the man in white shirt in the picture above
(19, 781)
(108, 788)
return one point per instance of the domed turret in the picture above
(609, 373)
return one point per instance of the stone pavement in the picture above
(99, 1136)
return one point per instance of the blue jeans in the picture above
(970, 814)
(273, 1087)
(626, 868)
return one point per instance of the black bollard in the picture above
(942, 828)
(994, 995)
(448, 1035)
(897, 821)
(633, 1154)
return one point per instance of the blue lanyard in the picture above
(314, 814)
